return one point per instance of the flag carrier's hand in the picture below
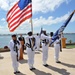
(74, 11)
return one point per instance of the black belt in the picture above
(28, 45)
(44, 41)
(14, 50)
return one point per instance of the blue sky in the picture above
(49, 14)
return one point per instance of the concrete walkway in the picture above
(66, 67)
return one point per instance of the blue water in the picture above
(70, 37)
(4, 40)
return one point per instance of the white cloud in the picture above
(4, 29)
(6, 4)
(38, 5)
(46, 5)
(38, 22)
(3, 19)
(49, 21)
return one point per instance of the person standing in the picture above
(14, 47)
(62, 36)
(57, 49)
(37, 42)
(22, 40)
(30, 47)
(45, 45)
(51, 35)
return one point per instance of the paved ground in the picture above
(67, 67)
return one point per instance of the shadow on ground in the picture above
(20, 74)
(1, 57)
(68, 65)
(37, 52)
(23, 61)
(40, 50)
(38, 72)
(60, 71)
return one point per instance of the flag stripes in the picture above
(15, 16)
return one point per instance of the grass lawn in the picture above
(70, 46)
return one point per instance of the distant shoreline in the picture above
(26, 34)
(7, 50)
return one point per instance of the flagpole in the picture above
(31, 25)
(61, 42)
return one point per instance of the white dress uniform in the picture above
(45, 48)
(50, 39)
(37, 42)
(30, 52)
(15, 63)
(57, 50)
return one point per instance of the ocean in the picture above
(4, 40)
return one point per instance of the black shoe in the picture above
(58, 62)
(34, 68)
(15, 72)
(46, 65)
(31, 69)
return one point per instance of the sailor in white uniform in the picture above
(14, 47)
(37, 37)
(45, 46)
(57, 49)
(51, 35)
(30, 47)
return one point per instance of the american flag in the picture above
(20, 12)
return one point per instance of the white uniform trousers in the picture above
(57, 50)
(38, 46)
(15, 63)
(30, 54)
(45, 53)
